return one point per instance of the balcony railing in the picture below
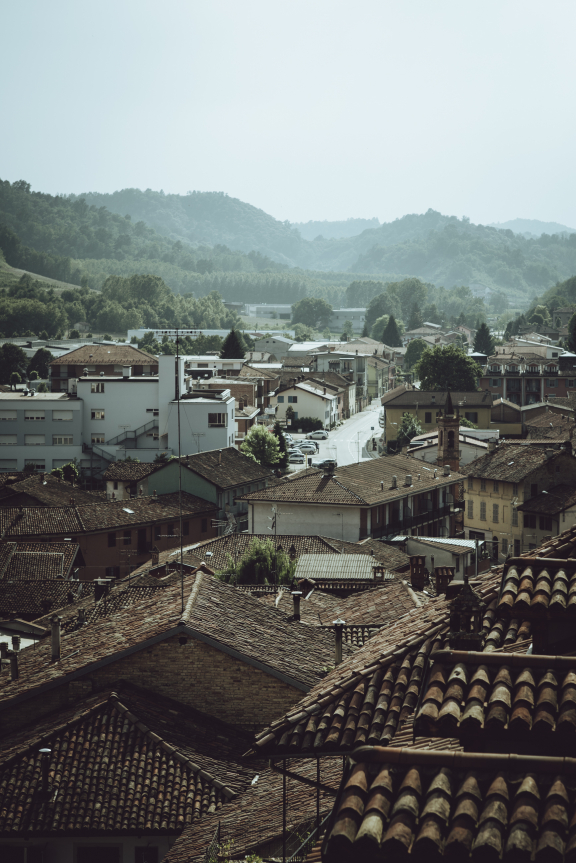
(395, 527)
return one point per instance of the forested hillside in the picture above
(329, 230)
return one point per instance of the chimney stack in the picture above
(296, 596)
(394, 482)
(14, 674)
(339, 628)
(155, 556)
(55, 622)
(219, 456)
(3, 654)
(16, 641)
(381, 485)
(417, 567)
(446, 470)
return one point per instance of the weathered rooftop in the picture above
(104, 355)
(509, 462)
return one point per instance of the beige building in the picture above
(426, 406)
(506, 496)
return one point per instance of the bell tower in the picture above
(449, 436)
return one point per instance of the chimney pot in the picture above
(155, 556)
(394, 482)
(14, 673)
(16, 641)
(446, 470)
(408, 479)
(296, 596)
(339, 628)
(55, 622)
(381, 485)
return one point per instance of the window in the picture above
(62, 440)
(97, 415)
(472, 416)
(514, 517)
(470, 483)
(482, 485)
(36, 463)
(534, 489)
(495, 512)
(218, 420)
(482, 510)
(504, 546)
(127, 537)
(98, 438)
(185, 528)
(280, 400)
(428, 416)
(470, 509)
(552, 382)
(34, 415)
(153, 411)
(516, 548)
(545, 523)
(514, 489)
(34, 439)
(8, 439)
(295, 415)
(146, 854)
(170, 530)
(158, 531)
(62, 416)
(204, 525)
(111, 540)
(529, 520)
(496, 485)
(292, 399)
(8, 416)
(8, 464)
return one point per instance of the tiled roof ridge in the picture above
(192, 598)
(168, 748)
(474, 760)
(345, 488)
(9, 557)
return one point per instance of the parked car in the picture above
(324, 463)
(288, 437)
(320, 434)
(308, 448)
(296, 458)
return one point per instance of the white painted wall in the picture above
(15, 456)
(322, 407)
(195, 433)
(125, 402)
(303, 520)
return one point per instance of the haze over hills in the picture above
(329, 230)
(533, 227)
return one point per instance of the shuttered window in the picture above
(8, 415)
(514, 517)
(8, 439)
(34, 414)
(34, 439)
(495, 512)
(62, 416)
(482, 510)
(470, 509)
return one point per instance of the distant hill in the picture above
(533, 227)
(335, 230)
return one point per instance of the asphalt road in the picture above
(347, 444)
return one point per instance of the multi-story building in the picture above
(277, 345)
(340, 317)
(307, 399)
(475, 407)
(106, 359)
(510, 476)
(530, 377)
(344, 363)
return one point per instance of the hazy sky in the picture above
(310, 109)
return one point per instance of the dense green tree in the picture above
(261, 446)
(467, 423)
(261, 563)
(312, 312)
(383, 304)
(12, 359)
(40, 362)
(409, 428)
(42, 388)
(378, 327)
(414, 351)
(365, 331)
(233, 346)
(282, 463)
(347, 331)
(571, 343)
(15, 379)
(415, 320)
(483, 341)
(74, 334)
(391, 335)
(303, 333)
(447, 368)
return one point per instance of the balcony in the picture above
(511, 372)
(395, 527)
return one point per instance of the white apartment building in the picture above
(356, 317)
(307, 400)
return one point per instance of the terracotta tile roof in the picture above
(129, 470)
(356, 484)
(143, 767)
(375, 607)
(29, 561)
(550, 419)
(508, 462)
(104, 355)
(235, 620)
(404, 804)
(557, 499)
(250, 372)
(105, 515)
(47, 490)
(369, 696)
(253, 822)
(226, 468)
(31, 599)
(482, 697)
(482, 398)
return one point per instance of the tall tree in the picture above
(391, 335)
(312, 312)
(282, 447)
(483, 341)
(261, 446)
(261, 563)
(40, 362)
(415, 320)
(447, 368)
(233, 347)
(414, 352)
(365, 331)
(12, 359)
(571, 343)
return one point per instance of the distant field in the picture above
(10, 275)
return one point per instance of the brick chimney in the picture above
(13, 656)
(339, 628)
(55, 622)
(417, 571)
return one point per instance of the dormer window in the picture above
(533, 369)
(494, 368)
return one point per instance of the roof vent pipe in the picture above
(408, 479)
(3, 654)
(14, 674)
(296, 596)
(381, 485)
(394, 482)
(55, 622)
(446, 470)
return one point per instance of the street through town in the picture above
(347, 444)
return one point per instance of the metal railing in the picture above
(100, 452)
(132, 434)
(397, 526)
(301, 853)
(211, 855)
